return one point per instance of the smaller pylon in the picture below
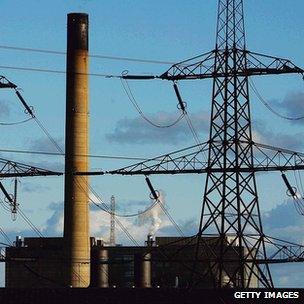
(112, 227)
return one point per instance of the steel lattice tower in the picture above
(230, 203)
(231, 245)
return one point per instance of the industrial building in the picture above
(163, 262)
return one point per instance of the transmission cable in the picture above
(90, 55)
(105, 208)
(5, 206)
(118, 157)
(5, 236)
(195, 136)
(266, 104)
(60, 150)
(132, 214)
(171, 218)
(35, 229)
(30, 223)
(15, 123)
(122, 227)
(90, 187)
(133, 101)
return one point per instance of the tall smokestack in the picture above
(76, 213)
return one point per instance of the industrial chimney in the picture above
(76, 213)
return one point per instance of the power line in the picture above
(118, 157)
(35, 50)
(133, 101)
(79, 185)
(15, 122)
(8, 67)
(6, 237)
(266, 104)
(170, 218)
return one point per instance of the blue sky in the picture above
(157, 30)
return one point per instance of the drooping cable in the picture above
(132, 214)
(266, 104)
(107, 208)
(182, 105)
(301, 184)
(91, 189)
(53, 141)
(15, 123)
(133, 101)
(104, 207)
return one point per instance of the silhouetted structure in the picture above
(166, 262)
(230, 204)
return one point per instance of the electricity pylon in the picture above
(230, 210)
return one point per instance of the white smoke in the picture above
(146, 223)
(155, 215)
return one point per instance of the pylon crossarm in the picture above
(201, 66)
(188, 160)
(10, 168)
(281, 251)
(260, 64)
(5, 83)
(268, 158)
(192, 160)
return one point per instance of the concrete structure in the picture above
(99, 265)
(142, 270)
(164, 263)
(76, 213)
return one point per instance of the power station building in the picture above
(165, 262)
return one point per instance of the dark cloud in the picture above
(31, 187)
(54, 223)
(44, 144)
(293, 142)
(293, 105)
(189, 227)
(48, 165)
(265, 135)
(289, 275)
(138, 131)
(284, 222)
